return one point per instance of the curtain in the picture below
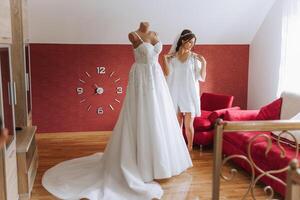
(289, 74)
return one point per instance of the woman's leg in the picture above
(180, 119)
(189, 129)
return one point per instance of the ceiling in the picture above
(108, 22)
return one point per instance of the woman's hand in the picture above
(200, 58)
(171, 55)
(203, 65)
(165, 64)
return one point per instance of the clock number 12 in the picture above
(101, 70)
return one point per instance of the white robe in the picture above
(183, 81)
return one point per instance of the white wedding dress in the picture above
(146, 143)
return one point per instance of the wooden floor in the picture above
(195, 184)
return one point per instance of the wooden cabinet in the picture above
(19, 160)
(27, 156)
(8, 159)
(5, 22)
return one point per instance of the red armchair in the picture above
(212, 102)
(213, 106)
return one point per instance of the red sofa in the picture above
(237, 143)
(213, 106)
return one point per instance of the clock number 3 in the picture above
(100, 111)
(101, 70)
(119, 90)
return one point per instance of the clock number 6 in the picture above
(100, 111)
(101, 70)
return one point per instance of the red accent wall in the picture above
(57, 68)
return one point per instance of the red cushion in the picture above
(274, 159)
(241, 139)
(213, 102)
(204, 137)
(270, 111)
(220, 113)
(213, 117)
(201, 124)
(240, 115)
(205, 114)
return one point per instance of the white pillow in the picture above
(290, 105)
(287, 138)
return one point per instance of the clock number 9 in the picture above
(100, 111)
(119, 90)
(79, 90)
(101, 70)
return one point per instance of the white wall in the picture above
(108, 22)
(264, 59)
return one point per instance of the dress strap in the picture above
(138, 36)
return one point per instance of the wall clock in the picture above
(100, 90)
